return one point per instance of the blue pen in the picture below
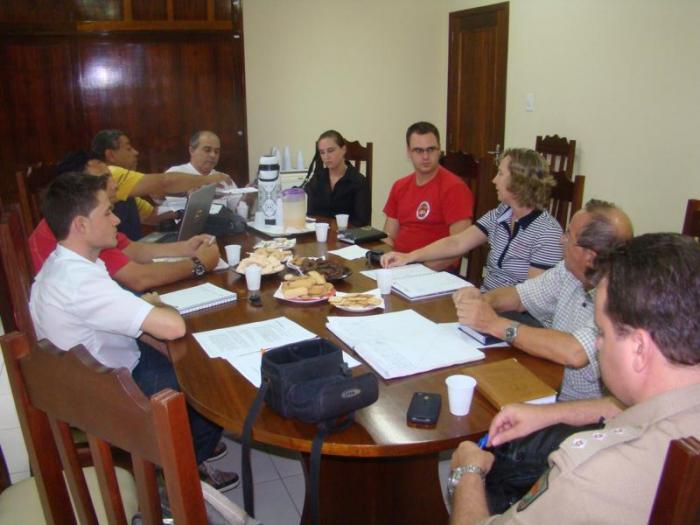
(483, 441)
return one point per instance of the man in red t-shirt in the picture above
(430, 203)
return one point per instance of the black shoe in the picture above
(220, 480)
(219, 452)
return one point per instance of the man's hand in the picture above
(477, 314)
(190, 247)
(392, 259)
(152, 298)
(468, 453)
(469, 293)
(218, 178)
(519, 420)
(208, 254)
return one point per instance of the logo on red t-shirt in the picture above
(423, 210)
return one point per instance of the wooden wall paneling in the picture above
(149, 9)
(98, 10)
(40, 110)
(189, 83)
(222, 9)
(191, 9)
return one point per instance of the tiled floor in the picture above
(279, 482)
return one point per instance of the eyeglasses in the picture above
(422, 151)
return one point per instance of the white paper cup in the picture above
(321, 231)
(384, 280)
(341, 221)
(460, 390)
(252, 278)
(259, 219)
(233, 254)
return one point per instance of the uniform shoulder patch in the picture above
(539, 488)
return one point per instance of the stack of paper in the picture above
(430, 285)
(243, 345)
(403, 343)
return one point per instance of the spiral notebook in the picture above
(198, 297)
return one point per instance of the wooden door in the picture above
(476, 90)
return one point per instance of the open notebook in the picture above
(197, 298)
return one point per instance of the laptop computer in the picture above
(196, 214)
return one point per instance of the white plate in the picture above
(360, 309)
(281, 243)
(279, 295)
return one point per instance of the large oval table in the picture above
(379, 471)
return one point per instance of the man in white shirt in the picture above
(205, 150)
(74, 301)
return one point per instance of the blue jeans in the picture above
(153, 373)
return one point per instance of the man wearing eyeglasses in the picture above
(560, 299)
(430, 203)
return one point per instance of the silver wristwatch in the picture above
(457, 474)
(512, 332)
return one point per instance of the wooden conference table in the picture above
(378, 471)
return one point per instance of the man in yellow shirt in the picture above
(113, 147)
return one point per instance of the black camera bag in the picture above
(310, 382)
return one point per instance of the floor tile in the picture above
(286, 462)
(263, 469)
(273, 505)
(296, 487)
(14, 450)
(8, 413)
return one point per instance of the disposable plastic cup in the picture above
(460, 391)
(233, 254)
(384, 280)
(252, 278)
(341, 221)
(259, 219)
(321, 231)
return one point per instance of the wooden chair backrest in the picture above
(691, 224)
(356, 154)
(559, 152)
(30, 183)
(54, 389)
(16, 271)
(677, 499)
(477, 175)
(566, 198)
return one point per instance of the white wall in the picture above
(619, 76)
(622, 77)
(368, 68)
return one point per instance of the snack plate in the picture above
(262, 274)
(280, 243)
(347, 272)
(279, 295)
(360, 309)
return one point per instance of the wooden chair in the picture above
(559, 152)
(16, 272)
(477, 175)
(356, 154)
(567, 197)
(54, 389)
(691, 224)
(677, 499)
(30, 183)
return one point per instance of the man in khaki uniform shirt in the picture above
(649, 346)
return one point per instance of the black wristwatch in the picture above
(198, 268)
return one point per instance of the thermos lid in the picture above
(269, 161)
(293, 192)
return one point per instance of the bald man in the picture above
(561, 299)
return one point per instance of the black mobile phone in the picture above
(424, 409)
(373, 257)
